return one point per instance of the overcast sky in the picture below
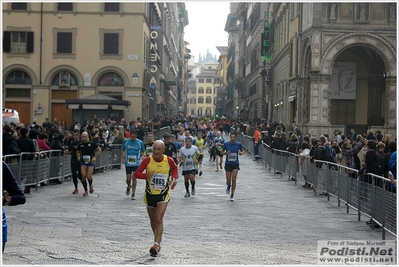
(206, 26)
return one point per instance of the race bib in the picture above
(189, 162)
(158, 181)
(200, 149)
(86, 159)
(148, 150)
(132, 159)
(232, 157)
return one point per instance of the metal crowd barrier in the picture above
(31, 169)
(115, 156)
(370, 195)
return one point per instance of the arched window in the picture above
(110, 79)
(18, 77)
(64, 78)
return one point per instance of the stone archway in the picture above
(379, 51)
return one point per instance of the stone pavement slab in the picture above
(271, 222)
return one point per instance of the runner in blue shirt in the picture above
(232, 149)
(132, 151)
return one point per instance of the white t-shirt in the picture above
(188, 155)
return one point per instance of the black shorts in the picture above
(200, 157)
(218, 152)
(189, 172)
(131, 169)
(153, 200)
(231, 167)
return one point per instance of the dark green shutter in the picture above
(29, 42)
(7, 41)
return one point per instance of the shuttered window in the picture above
(111, 43)
(18, 6)
(17, 42)
(64, 43)
(111, 7)
(65, 6)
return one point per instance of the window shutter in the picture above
(29, 42)
(7, 41)
(64, 42)
(111, 45)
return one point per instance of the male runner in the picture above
(178, 147)
(218, 144)
(157, 193)
(200, 143)
(132, 150)
(170, 147)
(187, 158)
(75, 164)
(87, 153)
(149, 145)
(232, 149)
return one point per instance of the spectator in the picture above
(349, 153)
(391, 149)
(25, 144)
(42, 145)
(352, 135)
(371, 163)
(378, 136)
(10, 146)
(339, 137)
(33, 136)
(256, 139)
(386, 139)
(278, 144)
(392, 169)
(293, 147)
(140, 131)
(266, 138)
(370, 135)
(119, 139)
(303, 158)
(12, 196)
(46, 124)
(380, 148)
(57, 144)
(56, 123)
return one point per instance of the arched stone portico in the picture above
(321, 81)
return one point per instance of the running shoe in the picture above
(187, 194)
(85, 194)
(200, 173)
(193, 191)
(91, 189)
(133, 197)
(75, 191)
(228, 189)
(154, 250)
(221, 166)
(128, 190)
(231, 197)
(216, 170)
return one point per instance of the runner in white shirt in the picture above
(187, 156)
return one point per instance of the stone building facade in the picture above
(330, 66)
(126, 50)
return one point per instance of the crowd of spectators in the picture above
(367, 153)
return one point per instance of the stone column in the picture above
(390, 102)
